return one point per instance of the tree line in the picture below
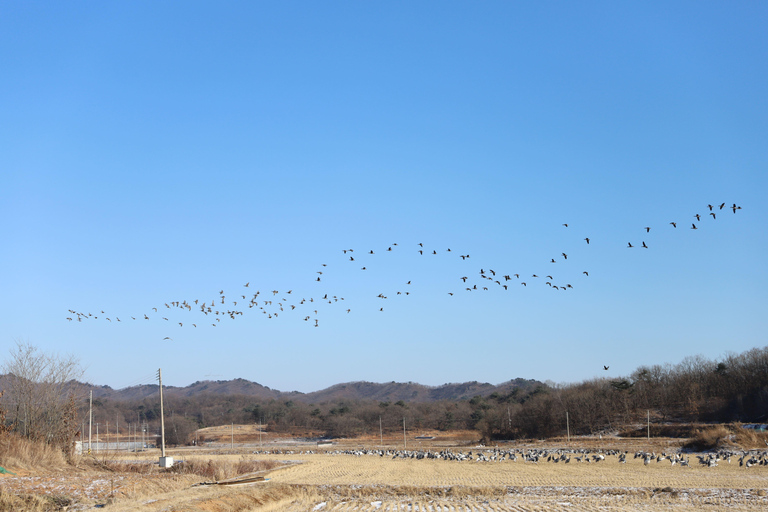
(734, 388)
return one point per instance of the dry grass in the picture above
(10, 502)
(749, 438)
(223, 469)
(726, 436)
(19, 452)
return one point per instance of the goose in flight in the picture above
(587, 239)
(674, 224)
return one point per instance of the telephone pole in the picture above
(90, 421)
(165, 462)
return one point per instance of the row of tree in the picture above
(40, 403)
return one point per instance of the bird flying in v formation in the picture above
(220, 309)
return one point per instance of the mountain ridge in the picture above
(355, 390)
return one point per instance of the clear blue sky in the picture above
(166, 151)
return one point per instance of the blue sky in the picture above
(158, 152)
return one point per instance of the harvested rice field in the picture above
(436, 478)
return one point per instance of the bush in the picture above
(710, 438)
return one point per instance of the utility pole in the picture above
(381, 435)
(90, 421)
(232, 439)
(165, 462)
(405, 441)
(649, 424)
(567, 427)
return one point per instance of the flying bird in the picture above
(587, 239)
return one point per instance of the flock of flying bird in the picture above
(276, 303)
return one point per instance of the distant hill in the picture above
(362, 390)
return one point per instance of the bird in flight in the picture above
(587, 239)
(605, 367)
(629, 245)
(674, 224)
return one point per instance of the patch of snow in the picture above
(320, 506)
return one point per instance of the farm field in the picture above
(353, 476)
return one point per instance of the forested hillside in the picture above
(695, 390)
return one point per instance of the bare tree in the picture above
(41, 394)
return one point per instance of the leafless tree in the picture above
(41, 394)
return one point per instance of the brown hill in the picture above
(362, 390)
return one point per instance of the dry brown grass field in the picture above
(303, 477)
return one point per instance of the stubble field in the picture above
(350, 477)
(358, 475)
